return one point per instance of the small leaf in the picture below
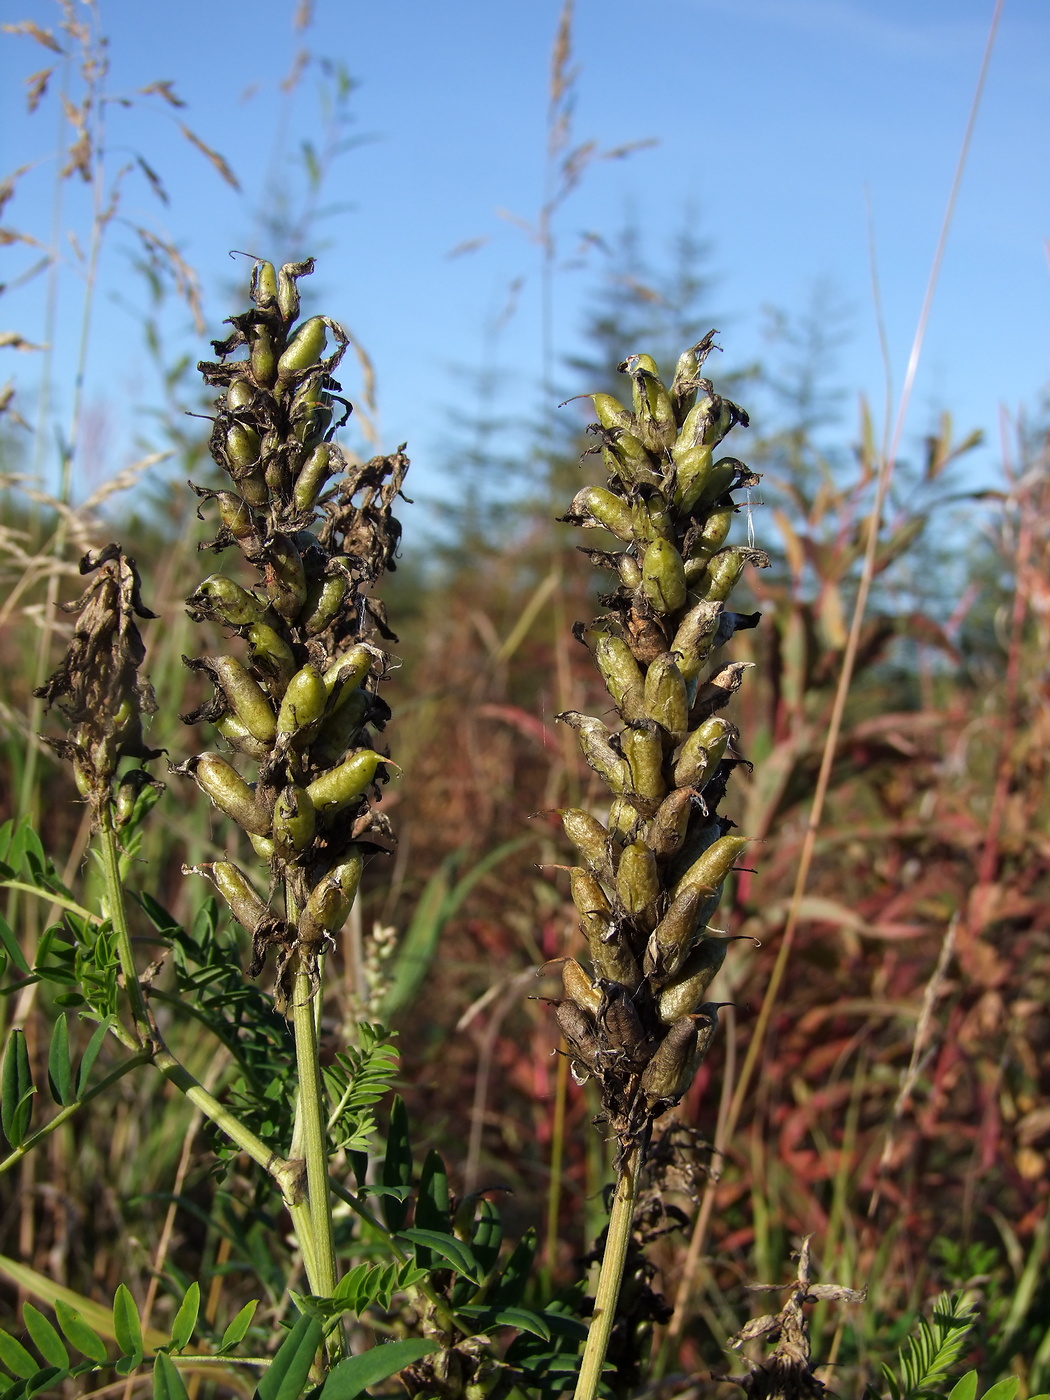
(45, 1380)
(965, 1388)
(397, 1165)
(1005, 1389)
(354, 1375)
(448, 1247)
(523, 1319)
(167, 1383)
(239, 1326)
(432, 1202)
(288, 1371)
(510, 1287)
(78, 1333)
(46, 1340)
(15, 1357)
(11, 948)
(126, 1326)
(186, 1318)
(87, 1062)
(59, 1071)
(16, 1090)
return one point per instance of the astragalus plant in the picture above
(652, 873)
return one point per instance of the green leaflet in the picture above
(397, 1164)
(167, 1383)
(288, 1371)
(78, 1333)
(186, 1318)
(357, 1373)
(16, 1090)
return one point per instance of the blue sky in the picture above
(776, 122)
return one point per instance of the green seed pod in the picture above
(670, 822)
(663, 576)
(246, 905)
(588, 836)
(303, 704)
(240, 394)
(686, 377)
(637, 878)
(219, 599)
(630, 571)
(643, 750)
(670, 1071)
(343, 785)
(652, 520)
(348, 671)
(269, 653)
(262, 357)
(594, 507)
(675, 934)
(311, 413)
(653, 408)
(264, 284)
(251, 483)
(702, 752)
(243, 446)
(682, 996)
(711, 868)
(330, 900)
(665, 695)
(285, 577)
(625, 456)
(696, 638)
(587, 893)
(304, 349)
(611, 413)
(245, 697)
(725, 568)
(579, 987)
(712, 537)
(598, 749)
(324, 601)
(719, 480)
(312, 476)
(262, 846)
(692, 472)
(288, 289)
(236, 515)
(294, 822)
(622, 675)
(623, 820)
(228, 791)
(241, 740)
(340, 729)
(612, 958)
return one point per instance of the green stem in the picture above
(141, 1057)
(610, 1277)
(117, 910)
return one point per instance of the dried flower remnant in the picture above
(301, 703)
(98, 686)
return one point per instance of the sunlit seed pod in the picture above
(702, 752)
(251, 483)
(711, 868)
(304, 349)
(270, 654)
(228, 791)
(670, 1071)
(285, 577)
(719, 480)
(246, 905)
(637, 878)
(219, 599)
(240, 394)
(264, 284)
(243, 446)
(303, 703)
(347, 672)
(244, 696)
(622, 675)
(693, 429)
(684, 384)
(598, 750)
(331, 899)
(324, 602)
(312, 476)
(663, 576)
(613, 959)
(692, 472)
(653, 520)
(340, 786)
(288, 291)
(611, 413)
(588, 836)
(341, 728)
(579, 987)
(696, 638)
(594, 507)
(587, 892)
(236, 515)
(725, 568)
(311, 412)
(673, 937)
(643, 750)
(630, 571)
(622, 1025)
(578, 1029)
(683, 995)
(670, 821)
(628, 458)
(262, 357)
(294, 821)
(653, 408)
(276, 475)
(262, 846)
(712, 536)
(623, 820)
(666, 702)
(239, 738)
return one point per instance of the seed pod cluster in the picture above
(649, 879)
(300, 701)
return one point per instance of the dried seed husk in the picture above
(683, 995)
(622, 1025)
(228, 791)
(714, 865)
(663, 576)
(637, 879)
(669, 1073)
(578, 1030)
(702, 752)
(340, 786)
(331, 899)
(612, 958)
(294, 821)
(622, 675)
(666, 702)
(673, 937)
(579, 987)
(588, 836)
(716, 693)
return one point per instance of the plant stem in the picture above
(610, 1277)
